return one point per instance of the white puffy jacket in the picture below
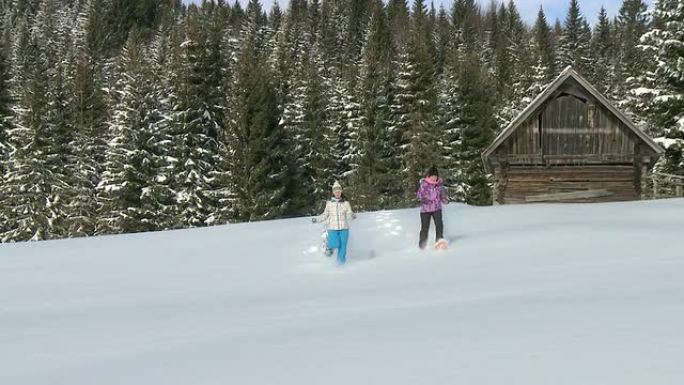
(337, 215)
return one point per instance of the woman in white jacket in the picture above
(336, 217)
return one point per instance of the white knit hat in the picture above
(337, 186)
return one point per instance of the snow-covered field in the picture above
(528, 295)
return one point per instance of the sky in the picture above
(554, 9)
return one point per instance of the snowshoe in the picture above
(441, 244)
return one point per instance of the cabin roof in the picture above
(567, 73)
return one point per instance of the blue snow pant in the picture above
(337, 239)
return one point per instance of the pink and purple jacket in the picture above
(431, 196)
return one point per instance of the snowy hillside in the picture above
(529, 295)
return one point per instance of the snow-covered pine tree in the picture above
(196, 120)
(602, 55)
(121, 16)
(211, 70)
(545, 49)
(419, 136)
(448, 124)
(237, 16)
(56, 20)
(302, 105)
(18, 39)
(514, 77)
(631, 62)
(540, 61)
(400, 103)
(516, 43)
(575, 43)
(398, 20)
(38, 182)
(342, 119)
(6, 122)
(358, 13)
(477, 125)
(372, 184)
(130, 163)
(158, 197)
(293, 43)
(320, 164)
(342, 108)
(465, 16)
(491, 39)
(89, 114)
(442, 37)
(275, 18)
(257, 148)
(662, 87)
(557, 36)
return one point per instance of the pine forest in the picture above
(121, 116)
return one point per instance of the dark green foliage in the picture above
(545, 51)
(373, 186)
(602, 53)
(477, 126)
(140, 115)
(257, 153)
(575, 42)
(660, 89)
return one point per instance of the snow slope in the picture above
(533, 295)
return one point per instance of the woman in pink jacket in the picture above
(432, 195)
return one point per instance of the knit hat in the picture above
(337, 186)
(432, 171)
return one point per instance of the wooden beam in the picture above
(584, 194)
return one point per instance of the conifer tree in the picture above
(420, 134)
(442, 38)
(195, 121)
(130, 165)
(574, 48)
(38, 182)
(372, 185)
(448, 127)
(477, 126)
(661, 90)
(545, 51)
(88, 111)
(464, 17)
(256, 152)
(398, 20)
(630, 61)
(516, 40)
(6, 124)
(632, 22)
(602, 52)
(493, 36)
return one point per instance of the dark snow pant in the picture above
(425, 227)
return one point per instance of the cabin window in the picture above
(590, 115)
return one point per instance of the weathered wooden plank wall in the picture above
(524, 182)
(572, 126)
(525, 140)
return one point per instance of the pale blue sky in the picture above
(527, 8)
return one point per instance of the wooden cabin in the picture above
(570, 145)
